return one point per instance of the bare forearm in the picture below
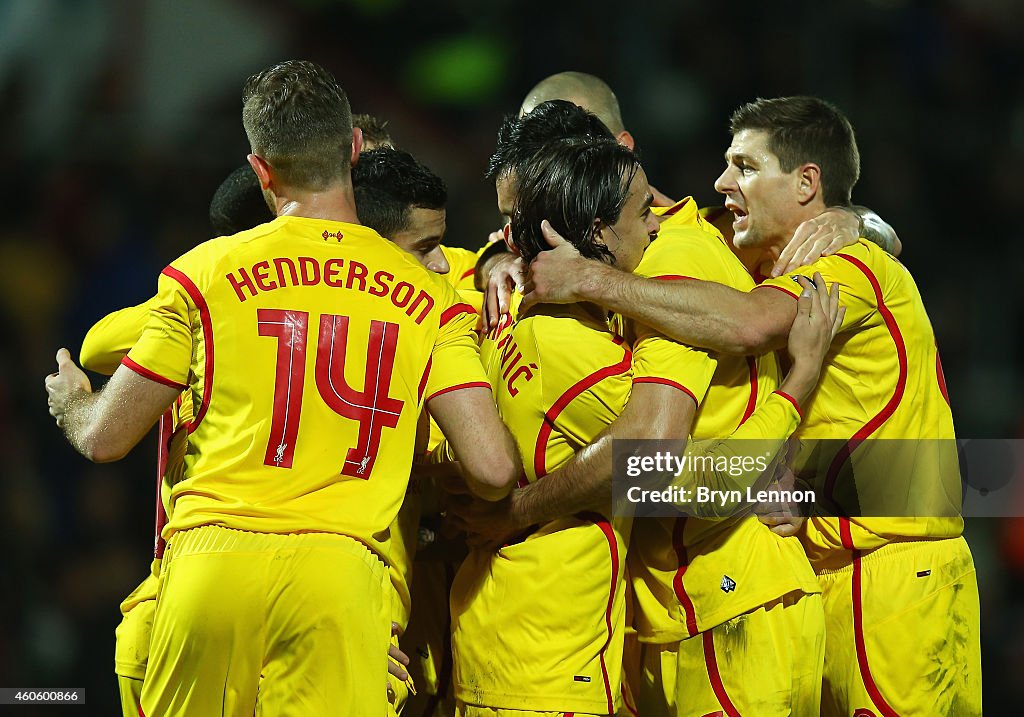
(79, 425)
(584, 483)
(698, 313)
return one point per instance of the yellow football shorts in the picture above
(268, 624)
(903, 632)
(765, 662)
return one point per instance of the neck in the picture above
(336, 203)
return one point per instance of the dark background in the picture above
(120, 118)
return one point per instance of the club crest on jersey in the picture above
(728, 584)
(332, 235)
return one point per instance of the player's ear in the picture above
(506, 232)
(262, 169)
(625, 139)
(357, 144)
(808, 182)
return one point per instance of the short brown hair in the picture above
(298, 118)
(807, 129)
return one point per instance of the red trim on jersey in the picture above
(455, 310)
(423, 378)
(540, 447)
(901, 382)
(941, 376)
(151, 375)
(467, 273)
(711, 662)
(163, 449)
(676, 207)
(673, 277)
(629, 707)
(613, 550)
(858, 632)
(207, 323)
(667, 382)
(678, 530)
(787, 292)
(845, 534)
(141, 713)
(473, 384)
(752, 401)
(791, 400)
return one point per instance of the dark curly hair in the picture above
(388, 182)
(519, 138)
(238, 203)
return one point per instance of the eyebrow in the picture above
(738, 156)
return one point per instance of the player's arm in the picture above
(663, 411)
(697, 313)
(110, 338)
(458, 396)
(834, 229)
(104, 425)
(480, 441)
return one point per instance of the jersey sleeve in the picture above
(110, 338)
(657, 359)
(855, 291)
(164, 351)
(678, 255)
(455, 359)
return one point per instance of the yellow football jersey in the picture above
(539, 625)
(473, 298)
(882, 379)
(461, 266)
(689, 574)
(310, 347)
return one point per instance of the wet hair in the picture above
(573, 183)
(805, 130)
(519, 138)
(238, 203)
(375, 131)
(388, 183)
(297, 118)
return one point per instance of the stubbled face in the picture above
(629, 237)
(422, 238)
(763, 199)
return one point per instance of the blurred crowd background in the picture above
(120, 118)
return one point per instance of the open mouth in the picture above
(739, 217)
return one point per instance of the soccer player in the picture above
(299, 450)
(559, 378)
(900, 593)
(670, 384)
(386, 199)
(497, 273)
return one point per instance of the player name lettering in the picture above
(281, 272)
